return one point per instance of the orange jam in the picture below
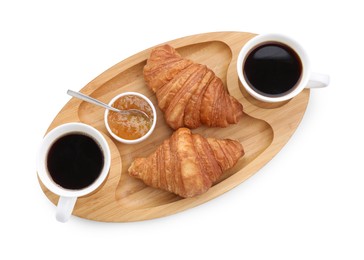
(130, 126)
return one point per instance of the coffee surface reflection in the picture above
(272, 69)
(75, 161)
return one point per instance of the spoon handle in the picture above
(90, 99)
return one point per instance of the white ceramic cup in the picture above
(134, 141)
(308, 79)
(68, 197)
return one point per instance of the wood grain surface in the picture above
(263, 131)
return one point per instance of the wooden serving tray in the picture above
(263, 131)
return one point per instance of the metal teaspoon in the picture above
(99, 103)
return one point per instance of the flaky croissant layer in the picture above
(187, 164)
(189, 94)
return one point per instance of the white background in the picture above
(307, 203)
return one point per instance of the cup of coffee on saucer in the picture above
(275, 68)
(73, 161)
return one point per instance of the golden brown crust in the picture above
(162, 66)
(187, 164)
(188, 93)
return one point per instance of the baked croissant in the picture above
(188, 93)
(187, 164)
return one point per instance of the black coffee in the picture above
(75, 161)
(272, 69)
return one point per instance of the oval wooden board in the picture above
(263, 131)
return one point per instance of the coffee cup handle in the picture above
(64, 208)
(318, 80)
